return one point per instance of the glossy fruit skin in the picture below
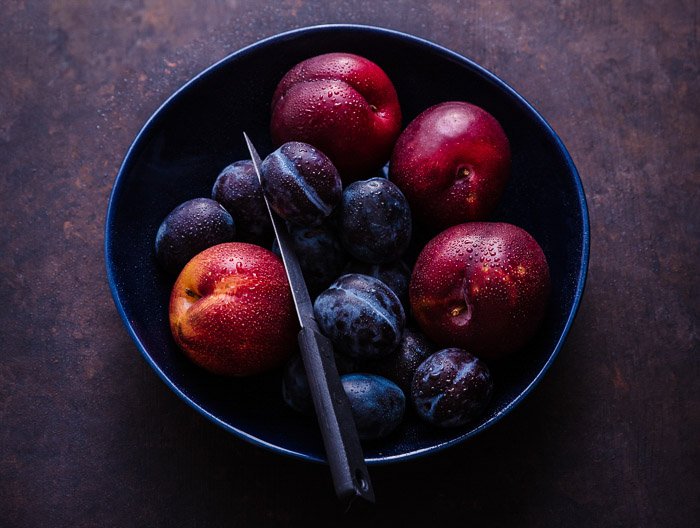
(231, 310)
(320, 254)
(480, 286)
(343, 104)
(190, 228)
(361, 316)
(295, 386)
(451, 388)
(237, 188)
(395, 274)
(401, 365)
(375, 221)
(452, 162)
(377, 404)
(301, 184)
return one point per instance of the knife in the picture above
(343, 451)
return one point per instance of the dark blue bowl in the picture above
(198, 130)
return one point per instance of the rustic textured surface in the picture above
(90, 437)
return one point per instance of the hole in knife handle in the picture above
(361, 481)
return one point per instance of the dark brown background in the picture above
(89, 436)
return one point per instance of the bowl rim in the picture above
(139, 143)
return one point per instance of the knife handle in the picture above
(347, 464)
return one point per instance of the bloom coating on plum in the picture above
(191, 227)
(320, 254)
(400, 366)
(344, 105)
(301, 183)
(375, 221)
(377, 404)
(396, 275)
(451, 388)
(237, 188)
(361, 316)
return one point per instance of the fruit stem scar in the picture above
(191, 293)
(457, 310)
(463, 172)
(461, 311)
(373, 108)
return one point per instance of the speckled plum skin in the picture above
(237, 188)
(481, 286)
(231, 310)
(320, 254)
(400, 366)
(375, 221)
(452, 162)
(395, 274)
(451, 388)
(361, 316)
(190, 228)
(301, 183)
(343, 104)
(377, 404)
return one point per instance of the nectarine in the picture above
(231, 310)
(480, 286)
(452, 163)
(344, 105)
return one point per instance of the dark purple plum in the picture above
(189, 229)
(451, 388)
(400, 366)
(375, 223)
(237, 188)
(295, 386)
(395, 274)
(320, 254)
(377, 404)
(361, 316)
(301, 183)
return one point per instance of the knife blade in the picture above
(341, 441)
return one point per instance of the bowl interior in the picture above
(198, 131)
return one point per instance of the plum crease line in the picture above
(308, 190)
(380, 311)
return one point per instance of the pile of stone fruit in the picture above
(476, 291)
